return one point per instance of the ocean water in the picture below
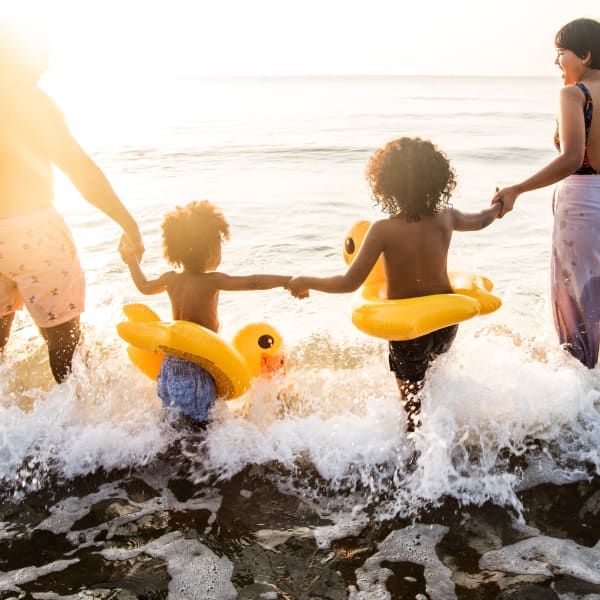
(307, 486)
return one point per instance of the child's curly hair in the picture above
(410, 177)
(191, 234)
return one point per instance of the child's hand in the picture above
(297, 287)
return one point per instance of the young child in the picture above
(192, 236)
(412, 182)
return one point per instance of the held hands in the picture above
(134, 242)
(127, 251)
(297, 287)
(507, 196)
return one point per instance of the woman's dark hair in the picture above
(580, 37)
(410, 177)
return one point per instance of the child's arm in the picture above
(233, 283)
(474, 221)
(144, 285)
(352, 279)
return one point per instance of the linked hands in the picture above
(128, 251)
(507, 196)
(133, 239)
(297, 287)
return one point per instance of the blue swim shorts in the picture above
(187, 387)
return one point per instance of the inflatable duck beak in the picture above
(272, 364)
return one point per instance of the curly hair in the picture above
(191, 234)
(410, 177)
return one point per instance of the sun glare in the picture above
(111, 39)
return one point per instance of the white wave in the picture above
(501, 412)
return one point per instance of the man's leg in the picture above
(5, 325)
(62, 341)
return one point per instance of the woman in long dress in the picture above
(575, 267)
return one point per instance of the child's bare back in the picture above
(415, 253)
(194, 298)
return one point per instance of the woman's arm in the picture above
(572, 150)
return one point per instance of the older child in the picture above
(412, 182)
(192, 236)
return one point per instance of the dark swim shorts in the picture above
(410, 359)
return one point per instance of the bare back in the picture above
(194, 298)
(415, 254)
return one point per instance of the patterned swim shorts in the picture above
(186, 386)
(39, 267)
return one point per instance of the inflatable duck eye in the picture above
(349, 246)
(266, 341)
(353, 240)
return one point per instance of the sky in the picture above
(307, 37)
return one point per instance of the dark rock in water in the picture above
(573, 513)
(529, 592)
(170, 530)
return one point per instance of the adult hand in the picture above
(135, 243)
(126, 249)
(507, 196)
(297, 287)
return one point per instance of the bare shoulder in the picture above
(384, 228)
(445, 218)
(170, 279)
(572, 93)
(380, 225)
(446, 214)
(169, 276)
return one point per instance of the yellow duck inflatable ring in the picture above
(256, 350)
(410, 318)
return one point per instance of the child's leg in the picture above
(410, 360)
(409, 394)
